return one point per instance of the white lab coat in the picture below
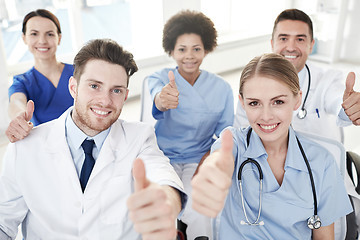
(326, 94)
(39, 185)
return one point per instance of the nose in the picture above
(42, 38)
(291, 45)
(105, 99)
(189, 54)
(267, 114)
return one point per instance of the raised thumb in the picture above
(139, 175)
(350, 82)
(171, 77)
(226, 160)
(29, 110)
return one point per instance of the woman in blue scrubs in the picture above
(45, 85)
(191, 105)
(225, 183)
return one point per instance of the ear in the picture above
(59, 38)
(312, 45)
(298, 100)
(73, 86)
(272, 45)
(24, 38)
(126, 95)
(241, 101)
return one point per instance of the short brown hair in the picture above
(294, 15)
(107, 50)
(189, 22)
(274, 66)
(41, 13)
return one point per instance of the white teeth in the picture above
(268, 127)
(100, 112)
(43, 49)
(289, 56)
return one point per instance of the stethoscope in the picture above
(302, 112)
(313, 222)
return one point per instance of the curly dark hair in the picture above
(189, 22)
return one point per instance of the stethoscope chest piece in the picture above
(302, 113)
(314, 222)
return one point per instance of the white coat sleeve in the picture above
(13, 208)
(158, 167)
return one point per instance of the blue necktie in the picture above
(89, 163)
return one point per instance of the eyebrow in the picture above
(101, 83)
(276, 97)
(287, 35)
(196, 45)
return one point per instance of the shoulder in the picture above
(162, 74)
(327, 75)
(26, 76)
(319, 150)
(216, 80)
(38, 136)
(134, 130)
(68, 67)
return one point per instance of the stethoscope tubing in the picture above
(302, 112)
(249, 160)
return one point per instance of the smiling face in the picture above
(188, 53)
(292, 40)
(269, 106)
(99, 96)
(42, 37)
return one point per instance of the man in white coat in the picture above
(327, 105)
(40, 186)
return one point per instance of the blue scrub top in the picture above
(186, 133)
(285, 208)
(50, 102)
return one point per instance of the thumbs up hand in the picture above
(351, 100)
(211, 184)
(151, 208)
(168, 98)
(21, 126)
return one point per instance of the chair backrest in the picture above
(146, 104)
(339, 153)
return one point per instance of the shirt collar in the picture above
(294, 158)
(76, 136)
(255, 148)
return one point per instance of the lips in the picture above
(268, 127)
(100, 113)
(42, 49)
(290, 56)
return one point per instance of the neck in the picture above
(279, 146)
(190, 78)
(47, 65)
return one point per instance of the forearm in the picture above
(324, 233)
(17, 105)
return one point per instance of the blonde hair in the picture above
(273, 66)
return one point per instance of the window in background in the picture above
(241, 19)
(130, 23)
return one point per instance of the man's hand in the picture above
(211, 184)
(351, 100)
(21, 126)
(168, 98)
(150, 207)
